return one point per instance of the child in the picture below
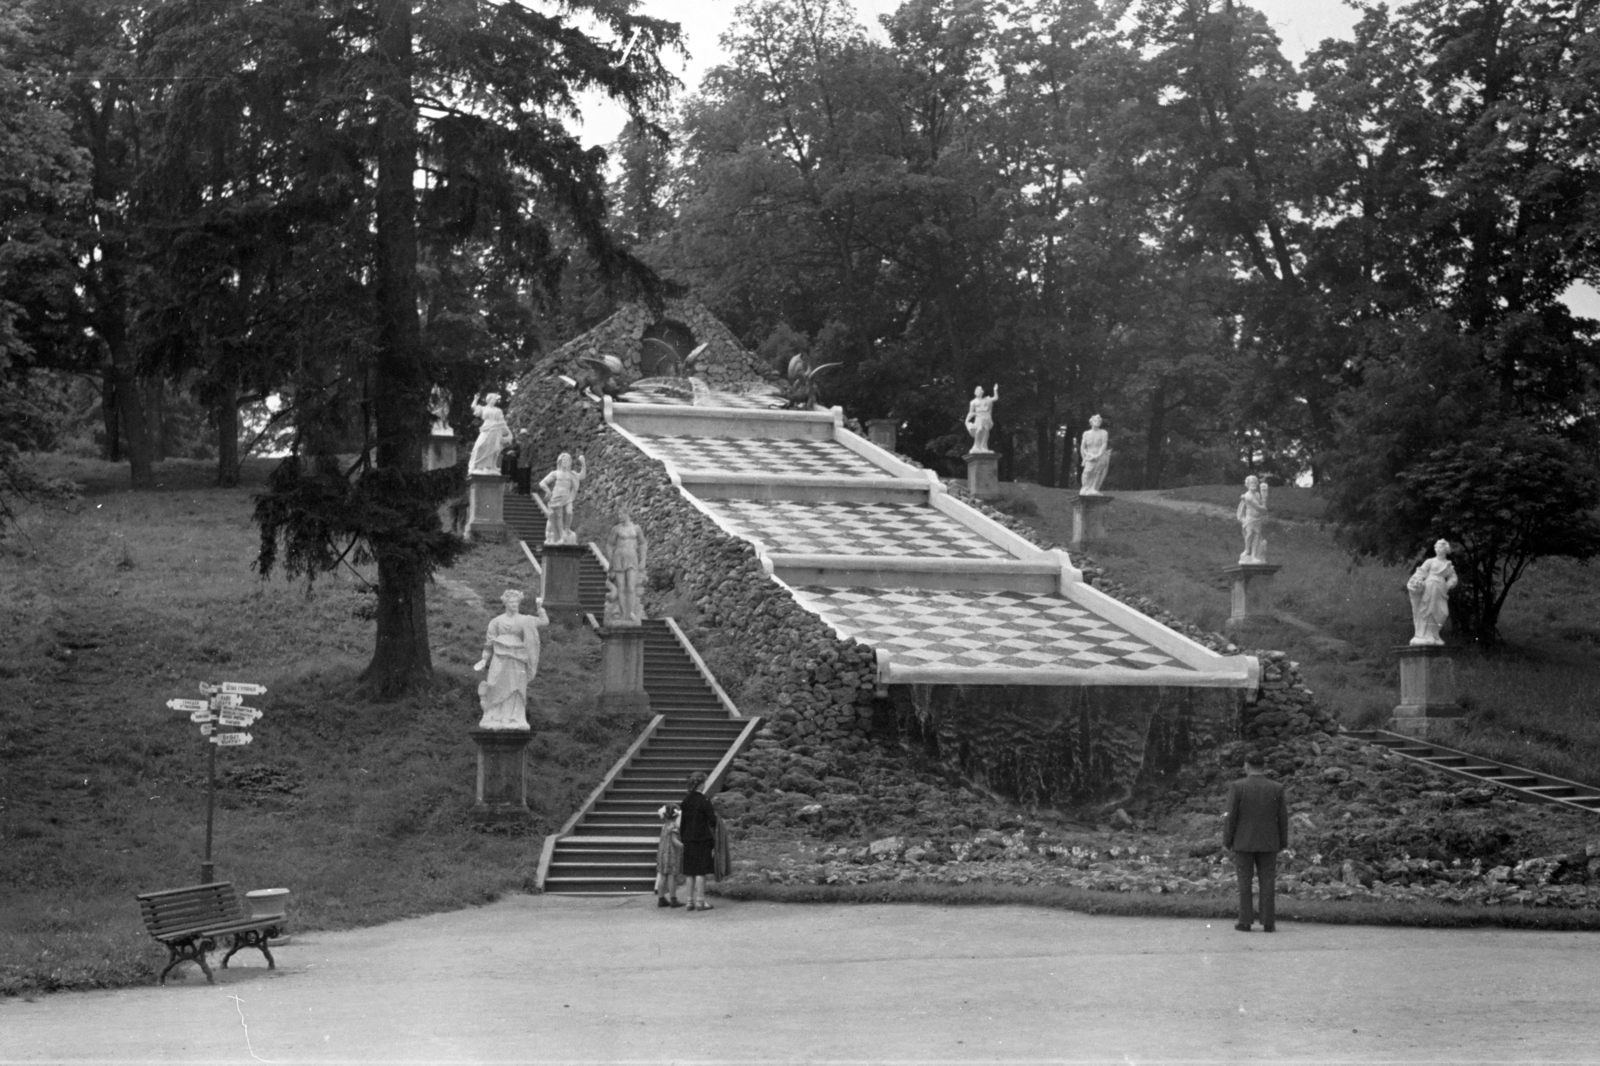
(669, 857)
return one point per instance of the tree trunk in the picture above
(401, 660)
(1155, 438)
(227, 415)
(113, 329)
(154, 392)
(110, 417)
(1044, 435)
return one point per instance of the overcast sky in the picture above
(1300, 24)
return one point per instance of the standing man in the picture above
(1256, 830)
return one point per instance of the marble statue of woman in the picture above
(626, 550)
(560, 487)
(511, 656)
(1252, 515)
(494, 436)
(980, 417)
(1429, 589)
(1096, 454)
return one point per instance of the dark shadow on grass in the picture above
(1422, 914)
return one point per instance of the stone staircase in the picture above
(592, 582)
(525, 516)
(609, 846)
(1528, 785)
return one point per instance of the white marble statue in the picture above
(1429, 589)
(494, 436)
(1252, 515)
(626, 551)
(980, 417)
(511, 657)
(560, 487)
(1096, 454)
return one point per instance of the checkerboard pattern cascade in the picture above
(816, 458)
(1013, 630)
(898, 529)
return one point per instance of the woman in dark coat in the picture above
(698, 830)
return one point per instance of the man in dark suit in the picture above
(1256, 830)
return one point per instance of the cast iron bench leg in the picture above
(191, 950)
(251, 938)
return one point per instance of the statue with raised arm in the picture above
(511, 659)
(494, 436)
(1095, 451)
(626, 551)
(980, 417)
(560, 487)
(1429, 590)
(1252, 515)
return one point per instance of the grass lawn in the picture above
(361, 808)
(1534, 701)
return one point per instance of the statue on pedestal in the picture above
(511, 656)
(1096, 453)
(493, 436)
(1252, 515)
(980, 417)
(626, 551)
(1429, 589)
(560, 487)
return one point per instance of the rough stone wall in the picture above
(725, 362)
(1060, 747)
(771, 656)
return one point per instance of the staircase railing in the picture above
(700, 665)
(741, 742)
(594, 797)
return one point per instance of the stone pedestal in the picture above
(884, 432)
(1252, 592)
(1089, 518)
(983, 475)
(441, 453)
(1427, 691)
(486, 518)
(622, 670)
(502, 778)
(561, 567)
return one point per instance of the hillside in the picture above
(1534, 702)
(126, 601)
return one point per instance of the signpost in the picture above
(219, 717)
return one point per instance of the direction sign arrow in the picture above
(209, 689)
(231, 740)
(189, 705)
(244, 688)
(235, 716)
(227, 699)
(205, 730)
(202, 716)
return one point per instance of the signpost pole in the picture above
(207, 868)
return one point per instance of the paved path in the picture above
(542, 979)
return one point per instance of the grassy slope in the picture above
(1533, 702)
(360, 808)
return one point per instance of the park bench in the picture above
(190, 921)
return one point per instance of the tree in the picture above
(1511, 494)
(412, 136)
(42, 175)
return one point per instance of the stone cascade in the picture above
(877, 549)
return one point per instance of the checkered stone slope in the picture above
(816, 458)
(900, 529)
(1014, 630)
